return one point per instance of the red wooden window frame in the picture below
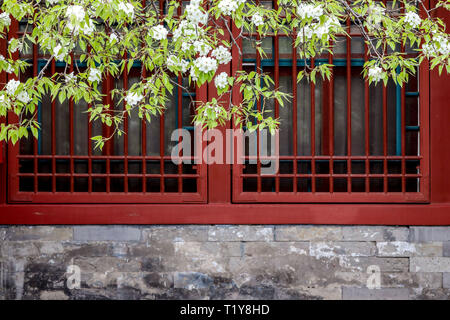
(221, 209)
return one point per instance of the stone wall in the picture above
(224, 262)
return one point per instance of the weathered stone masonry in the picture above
(224, 262)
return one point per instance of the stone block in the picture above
(240, 233)
(429, 234)
(350, 293)
(408, 249)
(308, 233)
(106, 233)
(41, 233)
(430, 264)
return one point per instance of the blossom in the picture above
(51, 2)
(94, 75)
(174, 62)
(12, 86)
(227, 7)
(5, 19)
(159, 32)
(308, 10)
(439, 45)
(412, 19)
(113, 38)
(69, 77)
(376, 73)
(133, 98)
(215, 108)
(221, 81)
(128, 8)
(201, 47)
(23, 97)
(206, 64)
(222, 54)
(195, 14)
(75, 12)
(193, 74)
(59, 53)
(376, 13)
(257, 19)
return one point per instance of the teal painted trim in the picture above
(412, 94)
(412, 128)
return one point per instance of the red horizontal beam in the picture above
(340, 214)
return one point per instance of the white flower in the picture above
(412, 19)
(23, 97)
(69, 77)
(201, 47)
(95, 75)
(51, 2)
(308, 10)
(215, 108)
(5, 19)
(221, 81)
(376, 13)
(59, 52)
(113, 38)
(11, 87)
(257, 19)
(442, 44)
(195, 14)
(193, 74)
(376, 73)
(227, 7)
(128, 8)
(206, 64)
(175, 62)
(89, 27)
(75, 12)
(222, 54)
(14, 44)
(133, 98)
(159, 32)
(439, 45)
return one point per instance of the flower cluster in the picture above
(206, 64)
(76, 15)
(187, 30)
(175, 62)
(159, 32)
(439, 45)
(319, 29)
(222, 54)
(227, 7)
(412, 19)
(5, 19)
(128, 8)
(376, 73)
(133, 98)
(308, 10)
(59, 52)
(257, 19)
(11, 89)
(376, 13)
(221, 81)
(201, 47)
(214, 108)
(95, 75)
(194, 13)
(75, 12)
(12, 86)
